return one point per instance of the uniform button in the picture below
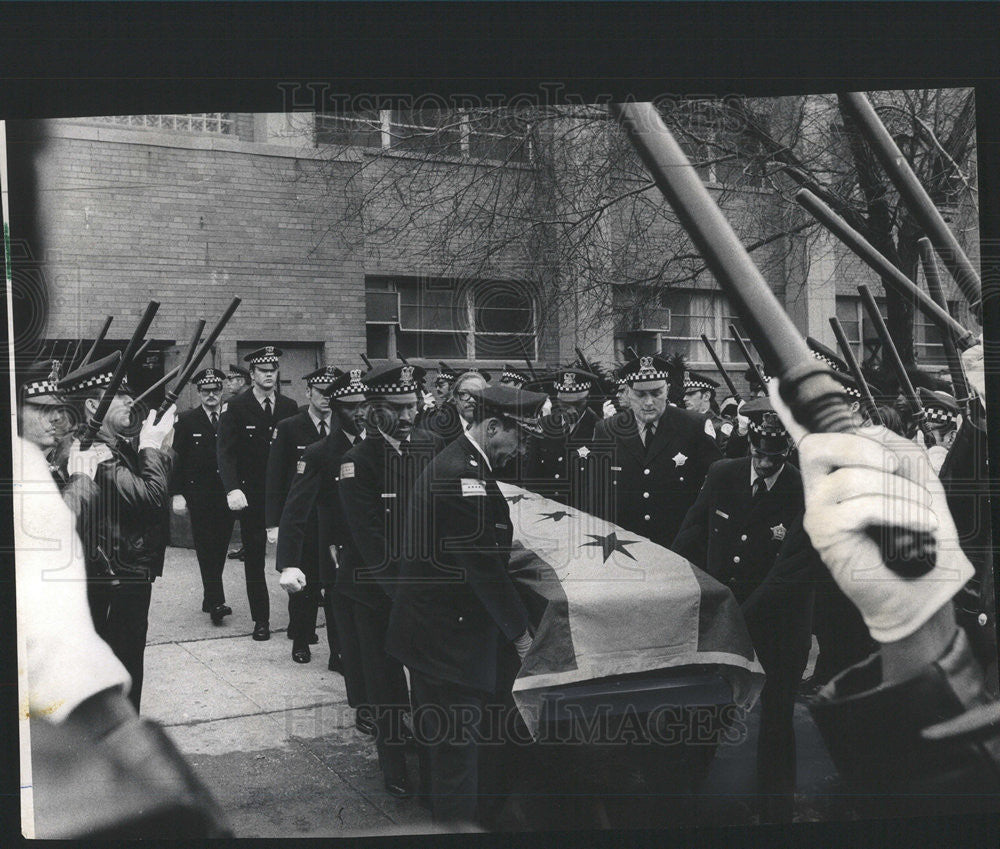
(461, 619)
(736, 559)
(556, 476)
(743, 538)
(559, 460)
(645, 471)
(682, 480)
(645, 495)
(614, 483)
(646, 517)
(982, 619)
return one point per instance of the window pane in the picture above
(504, 346)
(382, 307)
(377, 345)
(431, 305)
(362, 131)
(503, 310)
(432, 345)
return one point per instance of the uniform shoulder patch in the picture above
(472, 486)
(224, 407)
(300, 467)
(709, 428)
(274, 434)
(346, 470)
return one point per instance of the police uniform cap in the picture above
(38, 385)
(347, 388)
(209, 377)
(393, 379)
(510, 376)
(93, 375)
(446, 374)
(645, 368)
(826, 355)
(262, 356)
(518, 405)
(941, 408)
(323, 376)
(572, 384)
(237, 371)
(750, 377)
(693, 380)
(729, 402)
(766, 431)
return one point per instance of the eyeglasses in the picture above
(463, 396)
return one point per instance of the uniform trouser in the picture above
(121, 618)
(341, 609)
(211, 528)
(776, 775)
(254, 551)
(447, 721)
(385, 687)
(302, 609)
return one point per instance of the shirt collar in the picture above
(768, 482)
(478, 447)
(260, 396)
(209, 413)
(317, 419)
(395, 443)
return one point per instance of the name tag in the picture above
(500, 527)
(251, 427)
(388, 494)
(300, 467)
(347, 470)
(195, 434)
(616, 468)
(471, 486)
(720, 513)
(299, 447)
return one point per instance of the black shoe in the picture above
(301, 653)
(261, 631)
(364, 723)
(206, 607)
(334, 664)
(398, 787)
(313, 638)
(236, 555)
(220, 611)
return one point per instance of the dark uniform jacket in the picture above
(244, 444)
(196, 470)
(556, 467)
(456, 602)
(733, 537)
(443, 421)
(649, 494)
(124, 512)
(374, 490)
(312, 519)
(289, 439)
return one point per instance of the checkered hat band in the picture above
(640, 376)
(525, 422)
(41, 387)
(939, 414)
(392, 389)
(267, 358)
(582, 386)
(825, 359)
(93, 382)
(209, 381)
(512, 377)
(766, 431)
(697, 384)
(350, 389)
(853, 392)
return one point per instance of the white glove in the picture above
(236, 500)
(609, 410)
(179, 504)
(937, 454)
(523, 644)
(742, 424)
(975, 373)
(292, 580)
(272, 535)
(546, 407)
(154, 435)
(875, 478)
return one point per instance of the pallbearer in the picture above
(376, 479)
(244, 443)
(313, 531)
(197, 488)
(943, 415)
(699, 392)
(656, 455)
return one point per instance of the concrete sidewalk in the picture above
(275, 740)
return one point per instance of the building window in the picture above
(440, 318)
(218, 123)
(928, 340)
(860, 332)
(473, 133)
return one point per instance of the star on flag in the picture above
(555, 516)
(610, 544)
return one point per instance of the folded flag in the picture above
(609, 602)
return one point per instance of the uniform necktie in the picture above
(267, 407)
(322, 428)
(759, 488)
(215, 421)
(650, 433)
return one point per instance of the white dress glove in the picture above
(875, 478)
(85, 462)
(975, 373)
(292, 580)
(609, 410)
(272, 535)
(179, 504)
(236, 500)
(154, 435)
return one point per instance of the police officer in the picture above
(245, 429)
(237, 381)
(745, 520)
(943, 414)
(198, 488)
(443, 382)
(40, 413)
(510, 376)
(376, 479)
(456, 610)
(120, 488)
(699, 393)
(559, 456)
(312, 530)
(656, 456)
